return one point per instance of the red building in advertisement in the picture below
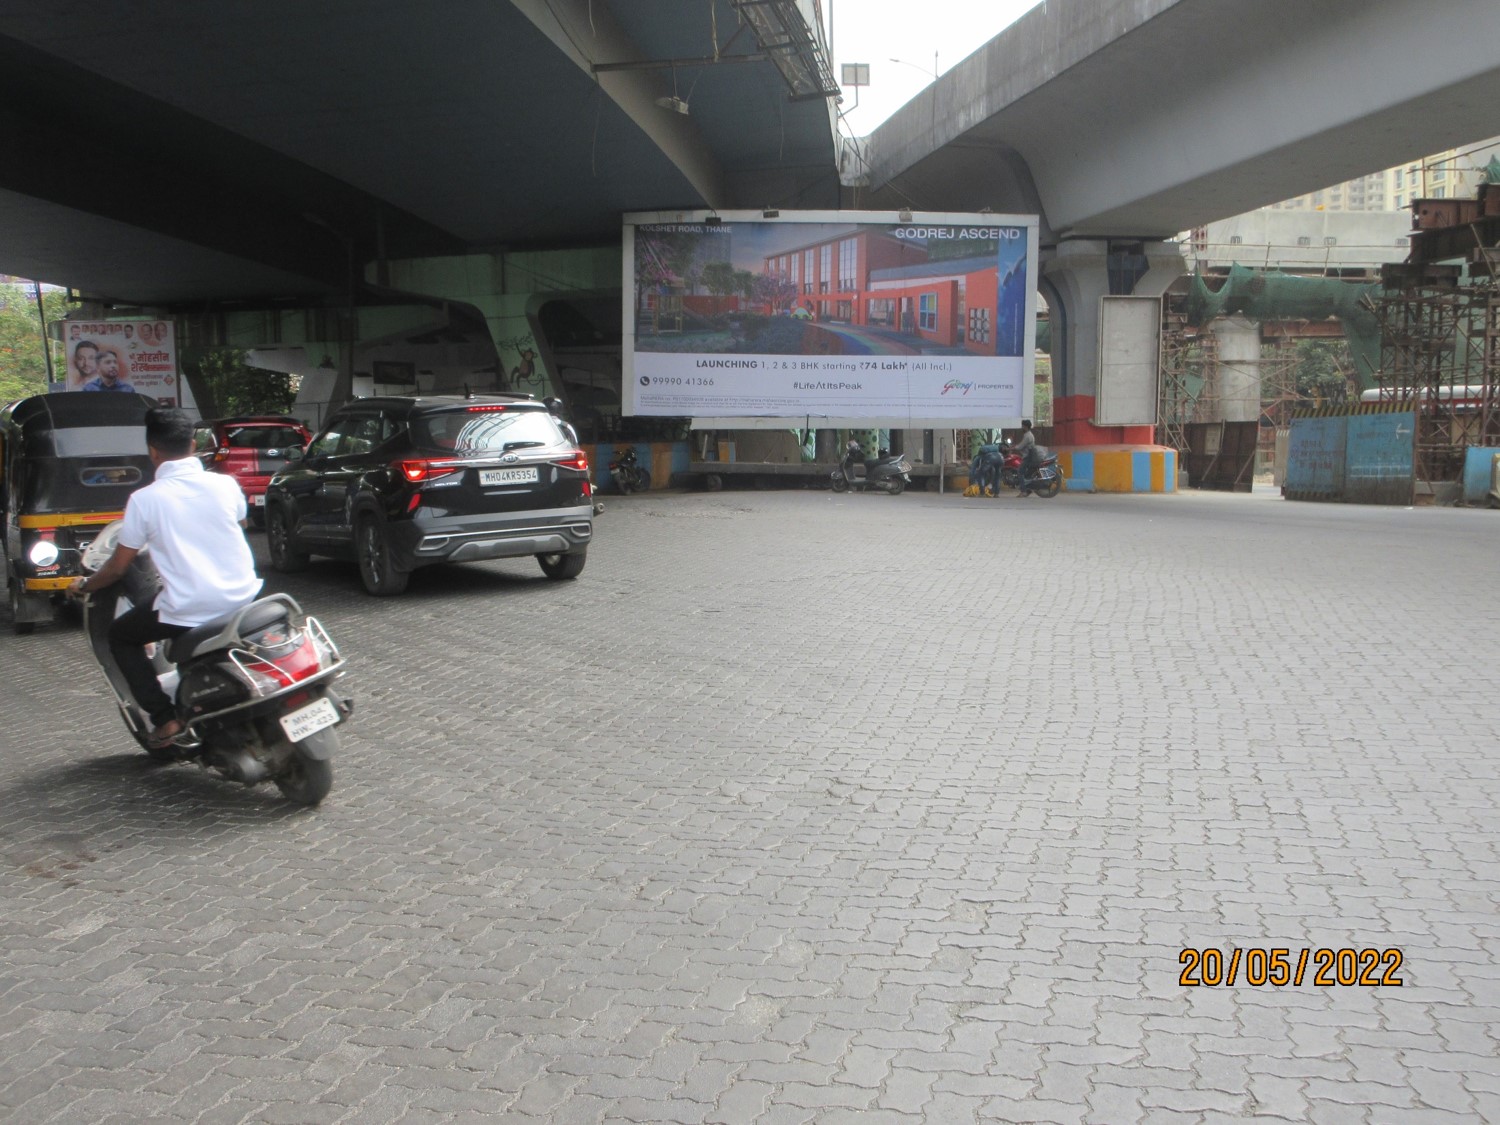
(873, 279)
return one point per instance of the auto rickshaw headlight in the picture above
(43, 553)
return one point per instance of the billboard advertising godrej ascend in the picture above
(858, 318)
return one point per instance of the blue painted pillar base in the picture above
(1119, 468)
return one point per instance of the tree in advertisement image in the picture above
(897, 303)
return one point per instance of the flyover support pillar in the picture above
(1075, 276)
(1239, 373)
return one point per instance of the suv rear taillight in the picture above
(221, 456)
(419, 472)
(578, 460)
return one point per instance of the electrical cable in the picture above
(568, 32)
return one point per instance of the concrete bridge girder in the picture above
(567, 23)
(1147, 117)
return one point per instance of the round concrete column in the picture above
(1239, 369)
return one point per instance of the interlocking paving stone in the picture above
(801, 809)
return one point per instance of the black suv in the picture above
(397, 483)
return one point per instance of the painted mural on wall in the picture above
(129, 356)
(518, 364)
(843, 316)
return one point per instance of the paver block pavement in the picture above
(797, 807)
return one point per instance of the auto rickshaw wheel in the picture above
(22, 628)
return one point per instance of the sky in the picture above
(876, 31)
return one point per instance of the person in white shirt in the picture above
(193, 522)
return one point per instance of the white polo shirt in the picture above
(190, 518)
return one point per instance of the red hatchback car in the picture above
(252, 449)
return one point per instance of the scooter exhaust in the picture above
(238, 765)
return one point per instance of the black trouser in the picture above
(1030, 463)
(128, 635)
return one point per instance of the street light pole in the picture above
(934, 73)
(923, 69)
(41, 319)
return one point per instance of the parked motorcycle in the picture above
(254, 690)
(889, 472)
(1046, 479)
(627, 473)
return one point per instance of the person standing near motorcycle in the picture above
(193, 522)
(985, 469)
(1030, 456)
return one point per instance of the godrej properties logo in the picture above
(956, 385)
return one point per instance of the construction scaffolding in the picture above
(1188, 356)
(1440, 353)
(1191, 377)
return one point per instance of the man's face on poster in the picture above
(86, 360)
(109, 368)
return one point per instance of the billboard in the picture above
(122, 355)
(853, 318)
(1129, 361)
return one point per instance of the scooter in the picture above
(254, 690)
(889, 472)
(1046, 479)
(627, 472)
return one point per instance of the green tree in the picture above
(718, 277)
(1320, 370)
(23, 358)
(233, 387)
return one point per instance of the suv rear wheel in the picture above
(376, 570)
(558, 567)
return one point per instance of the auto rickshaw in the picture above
(68, 461)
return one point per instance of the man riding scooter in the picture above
(192, 521)
(1031, 456)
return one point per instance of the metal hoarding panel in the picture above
(1315, 458)
(1378, 458)
(1129, 361)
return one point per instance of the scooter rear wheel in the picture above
(896, 486)
(306, 779)
(1050, 489)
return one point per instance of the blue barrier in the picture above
(1378, 452)
(1477, 466)
(1362, 458)
(1315, 458)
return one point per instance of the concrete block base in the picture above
(1119, 468)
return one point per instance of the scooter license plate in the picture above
(308, 720)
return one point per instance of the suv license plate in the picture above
(508, 476)
(258, 501)
(310, 719)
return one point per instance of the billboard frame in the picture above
(956, 417)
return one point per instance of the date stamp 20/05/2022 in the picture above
(1280, 967)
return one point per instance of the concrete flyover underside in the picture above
(678, 850)
(296, 145)
(1143, 118)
